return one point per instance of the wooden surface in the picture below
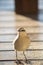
(10, 22)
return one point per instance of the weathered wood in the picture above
(8, 63)
(4, 18)
(34, 46)
(29, 30)
(33, 37)
(11, 55)
(6, 13)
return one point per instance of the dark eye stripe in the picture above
(21, 30)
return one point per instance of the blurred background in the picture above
(30, 8)
(7, 5)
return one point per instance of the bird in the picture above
(23, 40)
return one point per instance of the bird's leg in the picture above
(18, 61)
(26, 60)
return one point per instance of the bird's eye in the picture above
(21, 29)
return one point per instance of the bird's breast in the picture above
(22, 43)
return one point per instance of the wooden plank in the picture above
(37, 62)
(7, 55)
(36, 37)
(6, 46)
(28, 23)
(6, 18)
(30, 55)
(33, 29)
(11, 55)
(13, 63)
(34, 46)
(5, 38)
(13, 30)
(8, 23)
(10, 38)
(6, 13)
(29, 30)
(8, 30)
(34, 54)
(8, 63)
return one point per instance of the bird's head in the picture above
(21, 29)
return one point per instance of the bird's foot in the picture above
(19, 62)
(27, 62)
